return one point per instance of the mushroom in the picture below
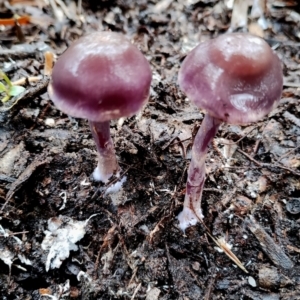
(236, 78)
(102, 76)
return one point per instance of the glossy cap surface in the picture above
(236, 78)
(102, 76)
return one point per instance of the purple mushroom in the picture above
(102, 76)
(236, 78)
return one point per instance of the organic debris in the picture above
(134, 248)
(60, 239)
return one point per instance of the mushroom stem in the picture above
(107, 160)
(196, 174)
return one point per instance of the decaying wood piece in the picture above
(273, 251)
(39, 161)
(256, 295)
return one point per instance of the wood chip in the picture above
(271, 249)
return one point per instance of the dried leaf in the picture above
(61, 237)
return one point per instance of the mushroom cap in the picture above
(236, 78)
(100, 77)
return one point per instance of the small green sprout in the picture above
(9, 90)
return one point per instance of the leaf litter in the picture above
(252, 176)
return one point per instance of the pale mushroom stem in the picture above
(107, 160)
(196, 174)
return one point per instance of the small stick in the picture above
(12, 21)
(136, 290)
(25, 80)
(268, 165)
(49, 58)
(14, 233)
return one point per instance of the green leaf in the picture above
(16, 90)
(5, 99)
(2, 88)
(6, 79)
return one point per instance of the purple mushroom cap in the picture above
(236, 78)
(102, 76)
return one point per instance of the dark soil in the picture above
(132, 248)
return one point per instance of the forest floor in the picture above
(128, 245)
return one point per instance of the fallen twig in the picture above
(25, 80)
(275, 165)
(136, 290)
